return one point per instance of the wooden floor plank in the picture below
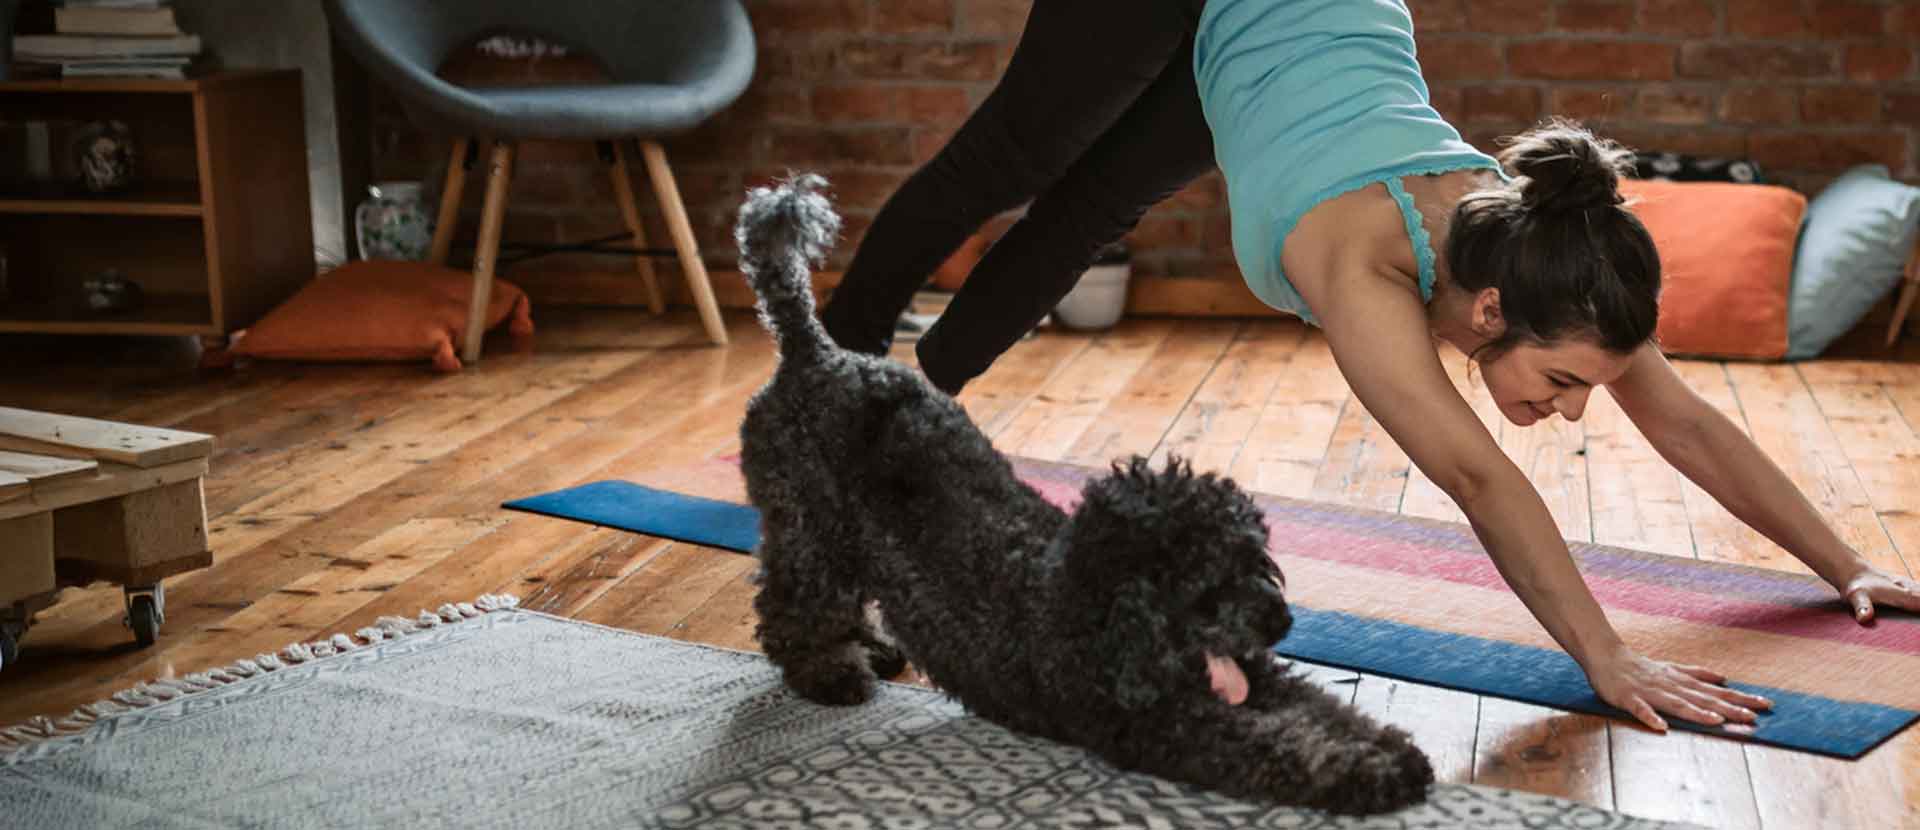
(1786, 421)
(1532, 748)
(1214, 427)
(1068, 406)
(1290, 437)
(1140, 413)
(1883, 451)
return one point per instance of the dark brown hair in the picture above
(1569, 259)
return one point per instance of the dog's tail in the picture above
(782, 231)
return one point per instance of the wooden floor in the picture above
(339, 494)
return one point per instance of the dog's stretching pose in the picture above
(1093, 630)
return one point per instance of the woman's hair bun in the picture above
(1563, 167)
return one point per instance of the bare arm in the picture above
(1377, 330)
(1378, 334)
(1714, 453)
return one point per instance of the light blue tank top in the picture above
(1310, 99)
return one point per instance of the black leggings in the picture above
(1096, 120)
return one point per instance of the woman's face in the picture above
(1532, 382)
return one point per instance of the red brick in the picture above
(1505, 104)
(1455, 58)
(773, 18)
(1847, 18)
(532, 153)
(849, 145)
(912, 16)
(927, 143)
(546, 185)
(853, 103)
(1202, 194)
(1903, 108)
(1759, 105)
(1591, 103)
(1755, 61)
(1438, 16)
(1766, 18)
(1158, 231)
(1878, 63)
(1216, 232)
(1613, 16)
(1691, 140)
(1840, 105)
(793, 61)
(930, 60)
(1508, 17)
(772, 102)
(1903, 21)
(1828, 152)
(935, 104)
(1680, 17)
(855, 189)
(1591, 60)
(993, 17)
(1675, 106)
(1447, 100)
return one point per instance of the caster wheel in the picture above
(143, 615)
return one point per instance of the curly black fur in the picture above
(874, 487)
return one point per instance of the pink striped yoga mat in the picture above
(1419, 600)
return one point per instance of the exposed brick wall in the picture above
(864, 90)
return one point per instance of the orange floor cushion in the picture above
(381, 310)
(1726, 261)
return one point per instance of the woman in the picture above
(1344, 185)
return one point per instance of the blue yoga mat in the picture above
(1839, 728)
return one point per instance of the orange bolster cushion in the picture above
(381, 310)
(1726, 261)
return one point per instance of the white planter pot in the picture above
(1098, 300)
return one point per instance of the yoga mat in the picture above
(1419, 600)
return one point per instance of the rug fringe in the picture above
(154, 692)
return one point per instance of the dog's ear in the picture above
(1140, 662)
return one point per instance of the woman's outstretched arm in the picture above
(1710, 450)
(1377, 330)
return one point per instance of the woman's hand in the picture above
(1876, 587)
(1647, 688)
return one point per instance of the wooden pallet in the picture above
(84, 500)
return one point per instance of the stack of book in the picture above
(111, 38)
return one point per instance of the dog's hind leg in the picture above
(813, 622)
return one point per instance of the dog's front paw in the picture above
(843, 680)
(886, 659)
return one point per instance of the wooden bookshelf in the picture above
(217, 228)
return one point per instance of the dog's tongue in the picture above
(1228, 681)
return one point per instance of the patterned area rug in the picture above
(517, 719)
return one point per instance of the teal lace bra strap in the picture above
(1416, 231)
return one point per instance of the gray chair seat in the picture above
(673, 63)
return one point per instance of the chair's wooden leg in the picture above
(499, 173)
(1901, 310)
(623, 193)
(682, 230)
(1907, 293)
(449, 219)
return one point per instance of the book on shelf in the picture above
(169, 68)
(115, 20)
(60, 48)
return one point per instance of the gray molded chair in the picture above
(673, 64)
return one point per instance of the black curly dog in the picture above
(1094, 629)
